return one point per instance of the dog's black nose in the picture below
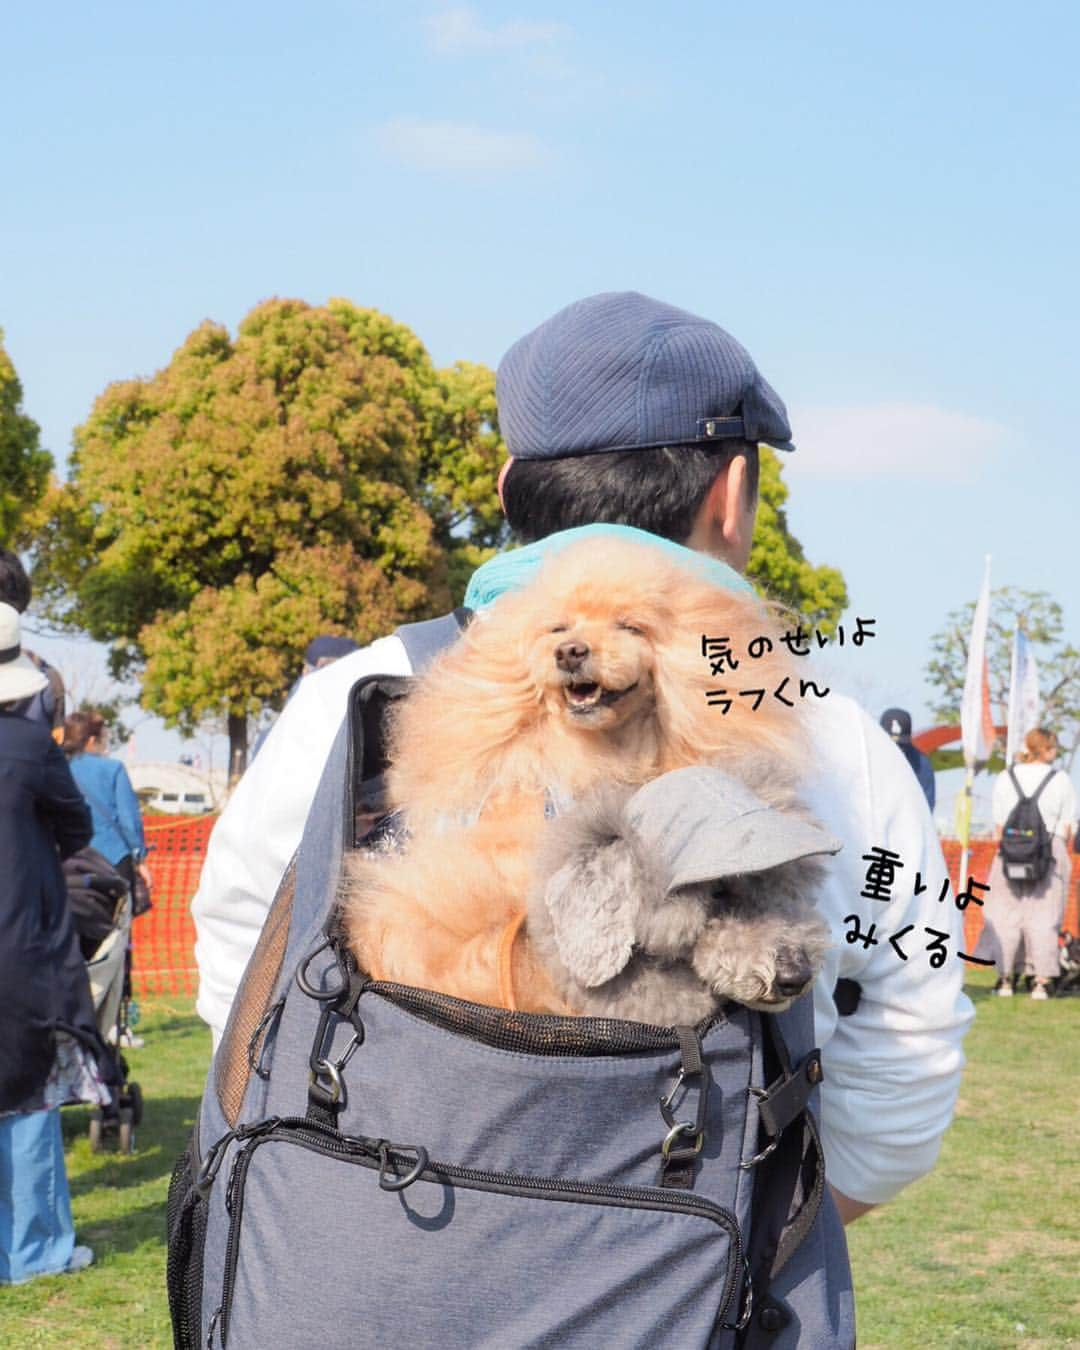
(570, 655)
(793, 974)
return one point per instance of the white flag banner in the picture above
(976, 722)
(1023, 695)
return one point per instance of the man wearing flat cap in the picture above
(624, 411)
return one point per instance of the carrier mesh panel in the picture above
(533, 1033)
(233, 1068)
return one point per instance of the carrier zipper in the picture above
(375, 1154)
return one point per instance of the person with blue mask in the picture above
(627, 415)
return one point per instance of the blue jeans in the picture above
(36, 1233)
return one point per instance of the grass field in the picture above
(984, 1253)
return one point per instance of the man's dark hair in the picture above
(656, 490)
(14, 583)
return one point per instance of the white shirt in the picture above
(1057, 801)
(892, 1070)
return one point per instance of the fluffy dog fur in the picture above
(594, 673)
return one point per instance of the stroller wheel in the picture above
(126, 1139)
(132, 1097)
(97, 1122)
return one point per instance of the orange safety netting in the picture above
(164, 940)
(981, 856)
(164, 959)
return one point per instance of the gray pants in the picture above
(1032, 917)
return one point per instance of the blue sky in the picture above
(881, 203)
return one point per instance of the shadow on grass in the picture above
(126, 1232)
(159, 1141)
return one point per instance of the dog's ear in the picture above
(593, 904)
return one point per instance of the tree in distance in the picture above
(24, 465)
(316, 474)
(777, 561)
(1059, 662)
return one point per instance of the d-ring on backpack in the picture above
(375, 1165)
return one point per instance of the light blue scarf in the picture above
(513, 571)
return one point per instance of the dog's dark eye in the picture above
(631, 628)
(560, 628)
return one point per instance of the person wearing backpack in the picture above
(626, 411)
(1034, 806)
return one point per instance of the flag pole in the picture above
(976, 735)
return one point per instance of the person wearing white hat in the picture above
(43, 983)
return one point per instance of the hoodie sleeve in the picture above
(128, 814)
(892, 1068)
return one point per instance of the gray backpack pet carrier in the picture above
(376, 1166)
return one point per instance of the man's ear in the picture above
(593, 907)
(724, 524)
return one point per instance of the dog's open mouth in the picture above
(583, 696)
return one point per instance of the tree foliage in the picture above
(24, 465)
(316, 474)
(778, 563)
(1059, 661)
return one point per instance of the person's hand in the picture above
(144, 872)
(848, 1209)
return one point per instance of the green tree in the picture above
(24, 465)
(778, 563)
(314, 474)
(1059, 661)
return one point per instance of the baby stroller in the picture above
(101, 904)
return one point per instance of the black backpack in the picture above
(1026, 844)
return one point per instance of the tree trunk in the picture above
(238, 748)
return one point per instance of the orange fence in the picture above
(165, 938)
(982, 855)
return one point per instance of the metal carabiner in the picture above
(682, 1128)
(324, 1068)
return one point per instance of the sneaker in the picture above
(80, 1258)
(1040, 992)
(1004, 989)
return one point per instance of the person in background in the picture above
(323, 651)
(43, 981)
(47, 704)
(1033, 912)
(319, 653)
(117, 817)
(896, 723)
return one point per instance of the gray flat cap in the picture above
(701, 824)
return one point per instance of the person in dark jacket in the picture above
(47, 1030)
(897, 724)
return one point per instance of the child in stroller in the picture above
(101, 904)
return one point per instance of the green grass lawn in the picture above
(984, 1253)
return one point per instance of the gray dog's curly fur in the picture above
(617, 944)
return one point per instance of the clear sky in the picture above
(881, 202)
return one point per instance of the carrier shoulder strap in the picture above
(425, 640)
